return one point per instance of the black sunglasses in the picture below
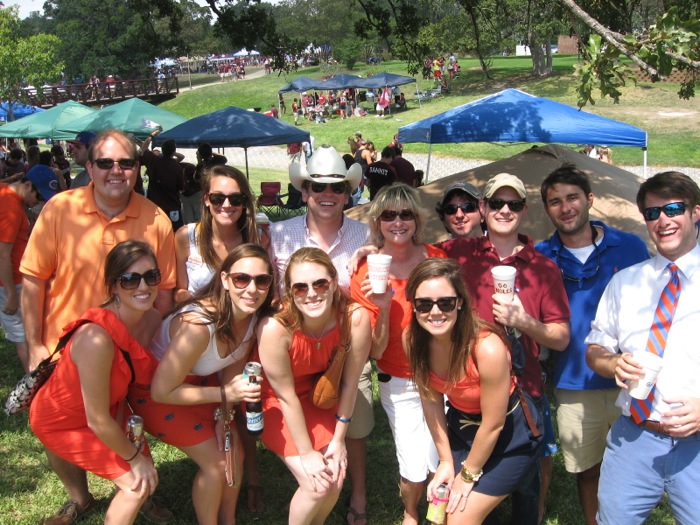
(131, 280)
(234, 199)
(497, 204)
(336, 187)
(242, 280)
(424, 305)
(390, 215)
(466, 207)
(671, 209)
(320, 286)
(106, 164)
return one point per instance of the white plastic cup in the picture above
(378, 270)
(504, 281)
(652, 364)
(262, 220)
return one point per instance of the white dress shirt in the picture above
(626, 312)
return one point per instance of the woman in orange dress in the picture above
(295, 347)
(80, 413)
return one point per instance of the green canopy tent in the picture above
(131, 116)
(46, 124)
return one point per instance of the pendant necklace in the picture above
(318, 339)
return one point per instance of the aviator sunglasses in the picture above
(131, 280)
(424, 305)
(106, 164)
(390, 215)
(497, 204)
(234, 199)
(671, 209)
(319, 286)
(242, 280)
(466, 207)
(336, 187)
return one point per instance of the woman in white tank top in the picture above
(204, 344)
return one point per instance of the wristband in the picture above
(343, 419)
(138, 450)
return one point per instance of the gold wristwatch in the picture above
(468, 477)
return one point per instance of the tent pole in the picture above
(427, 168)
(645, 163)
(417, 95)
(245, 151)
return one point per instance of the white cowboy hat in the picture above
(325, 166)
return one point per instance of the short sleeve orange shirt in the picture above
(69, 245)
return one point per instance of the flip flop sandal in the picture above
(356, 516)
(255, 501)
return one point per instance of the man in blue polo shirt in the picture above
(588, 253)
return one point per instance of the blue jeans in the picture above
(638, 466)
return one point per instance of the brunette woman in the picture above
(485, 442)
(295, 347)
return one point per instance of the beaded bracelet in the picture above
(343, 419)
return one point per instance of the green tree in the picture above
(119, 37)
(30, 60)
(673, 42)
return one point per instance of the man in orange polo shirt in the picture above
(64, 261)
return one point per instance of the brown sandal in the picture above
(356, 516)
(254, 499)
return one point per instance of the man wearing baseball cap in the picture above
(459, 210)
(537, 316)
(326, 185)
(79, 150)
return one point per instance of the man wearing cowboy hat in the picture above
(326, 185)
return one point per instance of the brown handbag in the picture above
(326, 393)
(231, 448)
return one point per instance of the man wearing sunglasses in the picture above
(654, 307)
(588, 253)
(538, 314)
(326, 185)
(459, 210)
(65, 257)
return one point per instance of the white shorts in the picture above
(415, 450)
(12, 324)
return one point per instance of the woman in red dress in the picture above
(295, 347)
(80, 413)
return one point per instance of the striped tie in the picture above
(640, 409)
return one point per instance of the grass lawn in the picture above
(672, 124)
(29, 490)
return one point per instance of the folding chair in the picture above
(294, 204)
(268, 201)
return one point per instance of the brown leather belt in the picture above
(654, 426)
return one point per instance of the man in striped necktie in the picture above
(654, 306)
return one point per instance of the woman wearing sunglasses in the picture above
(295, 347)
(228, 220)
(80, 413)
(205, 343)
(484, 442)
(397, 222)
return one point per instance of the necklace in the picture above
(318, 339)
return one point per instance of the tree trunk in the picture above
(539, 67)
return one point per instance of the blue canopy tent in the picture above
(233, 127)
(382, 80)
(19, 110)
(341, 82)
(515, 116)
(300, 84)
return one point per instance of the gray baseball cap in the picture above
(465, 187)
